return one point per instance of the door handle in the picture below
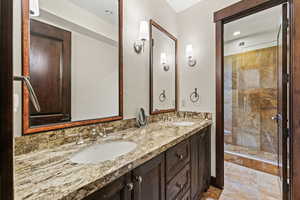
(139, 180)
(277, 117)
(32, 94)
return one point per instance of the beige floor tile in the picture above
(243, 183)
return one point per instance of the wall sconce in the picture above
(190, 56)
(163, 61)
(34, 8)
(143, 37)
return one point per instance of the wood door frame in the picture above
(163, 30)
(231, 13)
(27, 129)
(6, 105)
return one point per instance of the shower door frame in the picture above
(236, 11)
(6, 101)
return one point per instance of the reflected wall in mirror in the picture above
(72, 53)
(163, 70)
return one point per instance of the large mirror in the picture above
(163, 70)
(72, 56)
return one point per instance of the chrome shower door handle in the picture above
(32, 94)
(277, 117)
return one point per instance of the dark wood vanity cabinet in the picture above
(118, 190)
(200, 162)
(180, 173)
(149, 180)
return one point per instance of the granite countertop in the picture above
(49, 174)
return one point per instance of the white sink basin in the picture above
(103, 152)
(183, 123)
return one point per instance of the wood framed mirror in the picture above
(73, 57)
(163, 70)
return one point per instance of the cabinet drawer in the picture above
(187, 196)
(179, 185)
(176, 158)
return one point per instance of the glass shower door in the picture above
(281, 117)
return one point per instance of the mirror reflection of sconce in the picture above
(163, 60)
(195, 96)
(139, 45)
(34, 8)
(163, 96)
(190, 56)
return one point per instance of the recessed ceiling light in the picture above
(108, 12)
(236, 33)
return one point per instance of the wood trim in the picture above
(219, 181)
(39, 129)
(159, 27)
(244, 8)
(295, 99)
(25, 71)
(6, 102)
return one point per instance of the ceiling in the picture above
(181, 5)
(262, 22)
(99, 8)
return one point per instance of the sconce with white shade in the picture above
(143, 37)
(190, 56)
(34, 8)
(163, 61)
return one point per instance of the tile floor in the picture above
(243, 183)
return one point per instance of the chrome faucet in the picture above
(95, 134)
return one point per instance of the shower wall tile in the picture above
(268, 99)
(251, 99)
(249, 79)
(269, 136)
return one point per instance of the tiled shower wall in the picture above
(251, 99)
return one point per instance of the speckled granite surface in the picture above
(49, 174)
(51, 139)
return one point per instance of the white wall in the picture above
(196, 27)
(95, 78)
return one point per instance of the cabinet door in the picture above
(149, 180)
(118, 190)
(200, 163)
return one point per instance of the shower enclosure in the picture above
(251, 49)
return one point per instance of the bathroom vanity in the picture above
(169, 162)
(181, 172)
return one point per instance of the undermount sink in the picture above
(183, 123)
(103, 152)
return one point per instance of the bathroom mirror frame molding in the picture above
(163, 30)
(27, 129)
